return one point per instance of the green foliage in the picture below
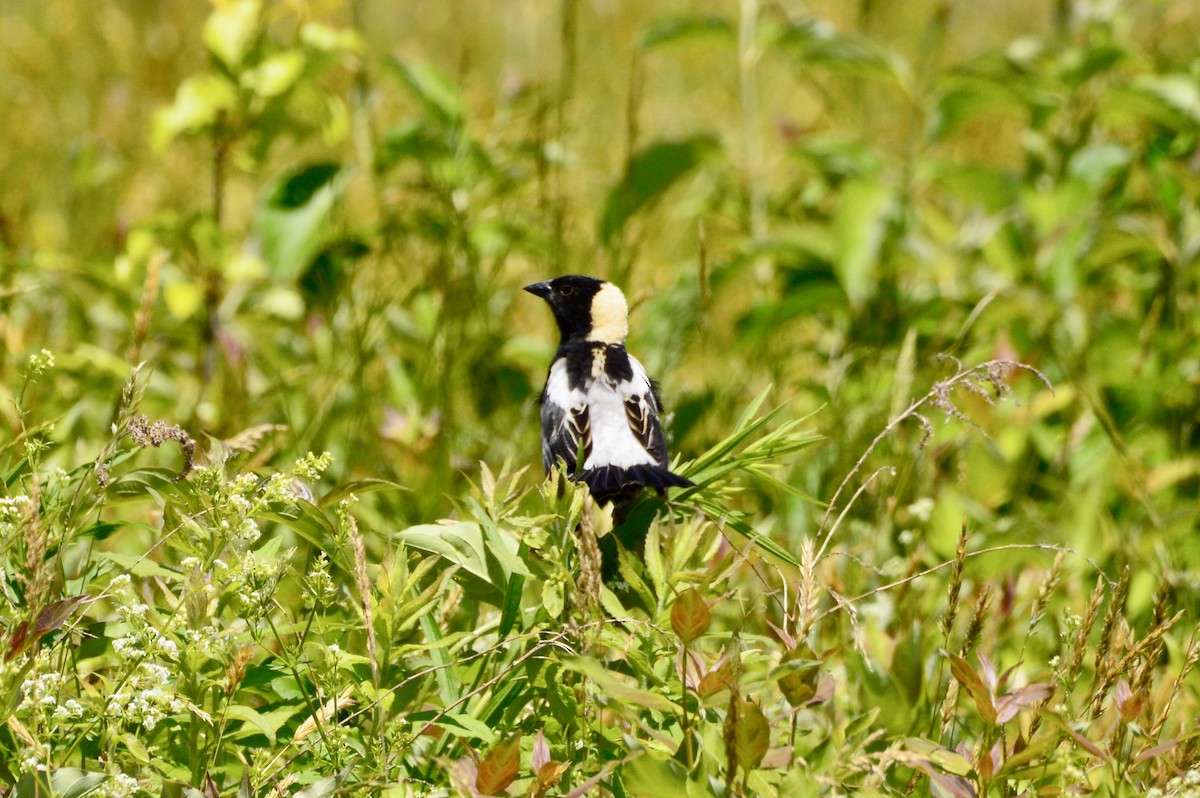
(920, 285)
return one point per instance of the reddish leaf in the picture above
(549, 773)
(500, 767)
(949, 786)
(541, 752)
(967, 677)
(56, 614)
(716, 680)
(777, 758)
(690, 616)
(18, 641)
(1129, 703)
(1023, 698)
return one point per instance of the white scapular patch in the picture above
(610, 315)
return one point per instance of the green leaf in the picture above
(357, 487)
(552, 597)
(650, 172)
(462, 725)
(615, 688)
(199, 101)
(752, 734)
(816, 42)
(231, 29)
(267, 723)
(63, 783)
(275, 74)
(510, 612)
(462, 543)
(859, 226)
(440, 96)
(685, 28)
(292, 221)
(650, 777)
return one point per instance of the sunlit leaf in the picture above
(292, 220)
(651, 171)
(440, 96)
(690, 616)
(859, 226)
(231, 29)
(685, 29)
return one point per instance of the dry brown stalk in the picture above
(1189, 663)
(237, 670)
(364, 591)
(1105, 665)
(589, 561)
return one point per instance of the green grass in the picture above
(921, 288)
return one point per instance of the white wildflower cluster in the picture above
(41, 689)
(34, 761)
(145, 699)
(1185, 786)
(319, 583)
(144, 640)
(12, 508)
(209, 642)
(255, 580)
(41, 362)
(118, 785)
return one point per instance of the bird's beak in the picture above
(539, 289)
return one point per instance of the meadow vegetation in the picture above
(920, 282)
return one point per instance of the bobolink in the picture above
(598, 403)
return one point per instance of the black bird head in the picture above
(585, 308)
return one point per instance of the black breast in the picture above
(579, 363)
(616, 363)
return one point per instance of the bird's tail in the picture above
(611, 479)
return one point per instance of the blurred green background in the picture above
(330, 207)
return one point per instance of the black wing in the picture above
(566, 426)
(642, 407)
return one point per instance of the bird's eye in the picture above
(567, 290)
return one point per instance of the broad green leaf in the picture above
(268, 723)
(292, 221)
(650, 172)
(816, 42)
(231, 29)
(275, 74)
(199, 100)
(183, 298)
(463, 725)
(616, 688)
(462, 543)
(752, 734)
(552, 597)
(650, 777)
(440, 96)
(63, 783)
(859, 226)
